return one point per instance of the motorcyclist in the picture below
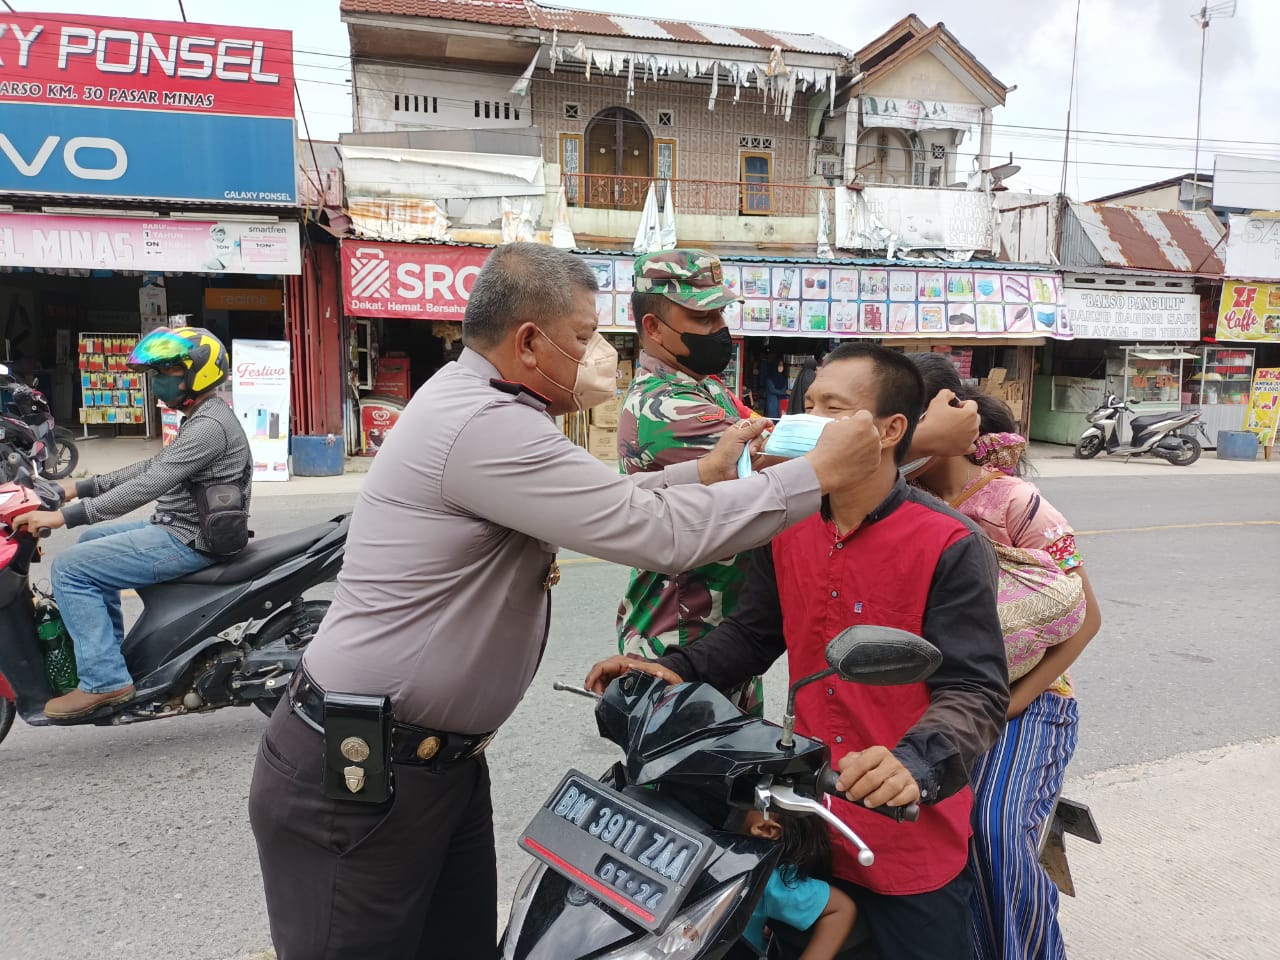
(186, 364)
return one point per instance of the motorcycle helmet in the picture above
(195, 348)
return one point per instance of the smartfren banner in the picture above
(143, 109)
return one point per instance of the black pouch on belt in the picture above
(357, 748)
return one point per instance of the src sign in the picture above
(420, 281)
(146, 109)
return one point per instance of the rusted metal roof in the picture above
(1165, 241)
(526, 13)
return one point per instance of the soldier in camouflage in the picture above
(675, 410)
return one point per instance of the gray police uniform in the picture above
(443, 605)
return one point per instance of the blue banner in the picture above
(146, 155)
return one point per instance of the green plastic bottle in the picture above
(59, 652)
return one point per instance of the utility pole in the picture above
(1207, 13)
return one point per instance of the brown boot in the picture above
(79, 703)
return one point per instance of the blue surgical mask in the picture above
(168, 390)
(795, 435)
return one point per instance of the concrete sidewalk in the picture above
(1180, 875)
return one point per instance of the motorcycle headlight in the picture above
(686, 935)
(525, 890)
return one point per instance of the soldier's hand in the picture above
(721, 463)
(875, 777)
(847, 452)
(606, 671)
(949, 428)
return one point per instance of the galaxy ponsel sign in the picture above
(421, 281)
(145, 109)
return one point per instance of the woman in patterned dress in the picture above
(1015, 904)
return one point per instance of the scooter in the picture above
(229, 635)
(28, 430)
(637, 865)
(1155, 434)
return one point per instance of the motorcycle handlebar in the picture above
(826, 783)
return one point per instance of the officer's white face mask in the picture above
(795, 435)
(597, 378)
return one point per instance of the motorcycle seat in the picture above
(260, 556)
(1138, 424)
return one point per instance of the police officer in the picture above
(375, 832)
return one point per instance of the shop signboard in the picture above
(916, 218)
(260, 398)
(908, 114)
(52, 241)
(1253, 247)
(417, 281)
(1133, 315)
(433, 282)
(1264, 405)
(1249, 312)
(146, 109)
(266, 299)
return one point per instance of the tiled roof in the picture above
(526, 13)
(507, 13)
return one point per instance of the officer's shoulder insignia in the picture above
(523, 394)
(711, 416)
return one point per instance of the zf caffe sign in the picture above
(1249, 311)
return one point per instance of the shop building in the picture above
(165, 195)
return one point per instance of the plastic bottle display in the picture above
(55, 641)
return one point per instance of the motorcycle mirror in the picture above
(882, 656)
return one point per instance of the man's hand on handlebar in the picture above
(875, 777)
(38, 520)
(606, 671)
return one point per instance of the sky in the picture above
(1133, 114)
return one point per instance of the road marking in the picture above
(1180, 526)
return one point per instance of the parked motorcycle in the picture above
(229, 635)
(1156, 434)
(27, 428)
(637, 865)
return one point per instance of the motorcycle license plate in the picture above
(634, 859)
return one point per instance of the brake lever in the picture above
(785, 798)
(580, 691)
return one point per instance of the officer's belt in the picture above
(418, 746)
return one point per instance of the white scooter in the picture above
(1155, 434)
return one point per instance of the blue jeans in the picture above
(87, 580)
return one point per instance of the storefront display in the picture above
(260, 392)
(1218, 386)
(110, 392)
(1150, 379)
(1263, 413)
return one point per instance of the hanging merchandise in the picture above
(260, 390)
(110, 392)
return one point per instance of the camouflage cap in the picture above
(691, 278)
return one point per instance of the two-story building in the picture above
(844, 190)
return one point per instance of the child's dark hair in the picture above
(806, 848)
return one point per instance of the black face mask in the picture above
(709, 353)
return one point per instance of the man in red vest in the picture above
(881, 553)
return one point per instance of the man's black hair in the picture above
(522, 282)
(644, 303)
(899, 388)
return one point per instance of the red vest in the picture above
(880, 574)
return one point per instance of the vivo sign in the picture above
(423, 281)
(146, 110)
(70, 154)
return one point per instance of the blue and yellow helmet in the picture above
(195, 348)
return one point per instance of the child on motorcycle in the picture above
(794, 894)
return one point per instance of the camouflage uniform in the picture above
(668, 417)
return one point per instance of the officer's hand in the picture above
(68, 490)
(847, 452)
(37, 519)
(875, 777)
(949, 428)
(721, 463)
(606, 671)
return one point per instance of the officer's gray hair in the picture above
(523, 282)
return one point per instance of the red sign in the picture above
(77, 60)
(421, 281)
(377, 417)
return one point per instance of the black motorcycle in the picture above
(229, 635)
(28, 432)
(637, 866)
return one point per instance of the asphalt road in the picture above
(133, 842)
